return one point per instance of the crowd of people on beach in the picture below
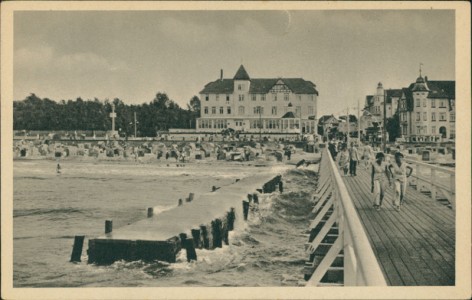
(382, 172)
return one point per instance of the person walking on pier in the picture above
(398, 169)
(367, 156)
(344, 159)
(380, 175)
(332, 149)
(353, 159)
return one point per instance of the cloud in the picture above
(44, 59)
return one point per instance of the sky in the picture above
(132, 55)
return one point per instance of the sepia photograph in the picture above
(238, 150)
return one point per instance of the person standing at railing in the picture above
(353, 159)
(398, 169)
(380, 176)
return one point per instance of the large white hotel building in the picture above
(253, 105)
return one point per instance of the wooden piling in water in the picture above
(231, 216)
(245, 209)
(196, 238)
(108, 226)
(216, 233)
(190, 248)
(183, 237)
(255, 198)
(77, 248)
(190, 197)
(206, 240)
(150, 212)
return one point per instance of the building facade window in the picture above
(275, 97)
(311, 110)
(253, 97)
(228, 110)
(418, 116)
(221, 110)
(418, 129)
(433, 103)
(424, 102)
(239, 87)
(205, 110)
(213, 110)
(298, 111)
(217, 97)
(227, 97)
(442, 104)
(433, 129)
(241, 110)
(258, 110)
(207, 97)
(452, 117)
(425, 116)
(433, 116)
(442, 116)
(274, 110)
(417, 102)
(241, 97)
(286, 97)
(263, 97)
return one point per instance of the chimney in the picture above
(221, 75)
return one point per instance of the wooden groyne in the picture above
(201, 223)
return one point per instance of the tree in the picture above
(393, 127)
(194, 104)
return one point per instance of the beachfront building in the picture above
(327, 125)
(427, 111)
(254, 105)
(374, 104)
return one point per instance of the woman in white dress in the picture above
(380, 175)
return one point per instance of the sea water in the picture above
(50, 209)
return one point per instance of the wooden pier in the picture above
(415, 246)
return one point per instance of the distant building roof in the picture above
(393, 93)
(288, 115)
(325, 118)
(369, 101)
(259, 85)
(241, 74)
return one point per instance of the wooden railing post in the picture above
(433, 186)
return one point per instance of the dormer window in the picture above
(240, 86)
(207, 97)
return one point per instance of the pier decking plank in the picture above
(415, 246)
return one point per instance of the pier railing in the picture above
(433, 180)
(338, 248)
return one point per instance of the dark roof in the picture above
(325, 118)
(352, 118)
(442, 89)
(261, 86)
(241, 74)
(369, 100)
(225, 86)
(393, 93)
(439, 88)
(408, 97)
(288, 115)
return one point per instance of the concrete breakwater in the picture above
(202, 223)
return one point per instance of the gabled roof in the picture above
(261, 86)
(288, 115)
(325, 118)
(408, 94)
(241, 74)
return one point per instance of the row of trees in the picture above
(162, 113)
